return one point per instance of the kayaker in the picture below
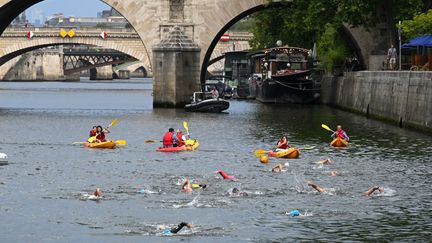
(175, 230)
(93, 132)
(181, 138)
(100, 134)
(340, 134)
(169, 138)
(316, 187)
(282, 143)
(373, 189)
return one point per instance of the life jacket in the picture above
(180, 139)
(101, 137)
(168, 138)
(92, 133)
(340, 134)
(283, 146)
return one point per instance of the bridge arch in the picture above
(232, 12)
(22, 47)
(10, 9)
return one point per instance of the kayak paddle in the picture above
(186, 126)
(260, 152)
(120, 142)
(113, 123)
(151, 141)
(326, 128)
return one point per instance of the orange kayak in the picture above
(103, 145)
(291, 153)
(338, 142)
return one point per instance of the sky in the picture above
(81, 8)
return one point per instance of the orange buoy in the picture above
(264, 159)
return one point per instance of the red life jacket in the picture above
(92, 133)
(340, 134)
(180, 139)
(101, 137)
(168, 139)
(283, 146)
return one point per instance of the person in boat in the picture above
(373, 189)
(236, 192)
(316, 187)
(340, 133)
(175, 230)
(180, 138)
(93, 132)
(282, 143)
(169, 139)
(278, 168)
(100, 134)
(215, 93)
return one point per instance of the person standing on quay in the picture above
(391, 57)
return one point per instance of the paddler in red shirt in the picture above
(100, 137)
(282, 143)
(340, 134)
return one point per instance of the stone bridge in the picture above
(204, 21)
(14, 41)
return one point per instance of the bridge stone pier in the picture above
(202, 21)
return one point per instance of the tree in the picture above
(421, 24)
(332, 49)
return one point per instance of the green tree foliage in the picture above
(421, 24)
(304, 22)
(332, 49)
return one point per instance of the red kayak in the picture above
(193, 145)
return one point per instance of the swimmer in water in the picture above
(237, 192)
(186, 186)
(97, 194)
(198, 185)
(278, 168)
(334, 173)
(371, 190)
(324, 162)
(175, 230)
(226, 176)
(295, 213)
(316, 187)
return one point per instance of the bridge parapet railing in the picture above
(79, 32)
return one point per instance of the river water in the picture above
(41, 187)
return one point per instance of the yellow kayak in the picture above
(338, 142)
(290, 153)
(103, 145)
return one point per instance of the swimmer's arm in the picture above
(371, 190)
(175, 230)
(316, 187)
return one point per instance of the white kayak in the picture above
(3, 159)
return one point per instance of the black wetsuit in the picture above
(175, 230)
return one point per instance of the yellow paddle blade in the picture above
(186, 126)
(260, 152)
(74, 143)
(113, 123)
(190, 142)
(91, 139)
(150, 141)
(121, 142)
(326, 128)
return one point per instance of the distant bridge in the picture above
(78, 59)
(14, 42)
